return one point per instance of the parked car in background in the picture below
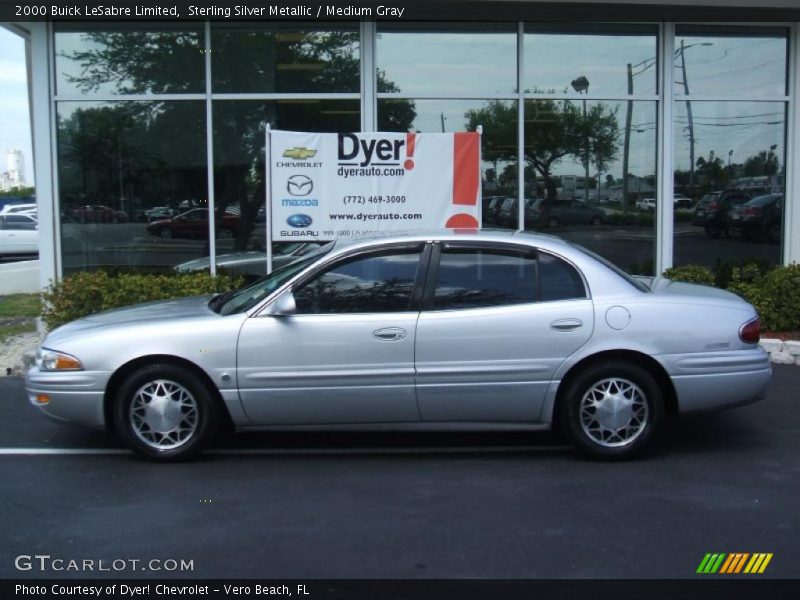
(489, 206)
(19, 235)
(712, 214)
(474, 328)
(507, 215)
(98, 213)
(680, 201)
(561, 212)
(193, 224)
(758, 218)
(252, 263)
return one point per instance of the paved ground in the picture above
(472, 505)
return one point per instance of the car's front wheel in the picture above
(611, 410)
(164, 412)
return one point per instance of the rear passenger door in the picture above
(496, 323)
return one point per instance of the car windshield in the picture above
(762, 200)
(639, 285)
(246, 298)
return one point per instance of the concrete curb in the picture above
(780, 352)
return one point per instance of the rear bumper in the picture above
(719, 380)
(75, 397)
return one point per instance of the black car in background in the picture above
(758, 218)
(713, 210)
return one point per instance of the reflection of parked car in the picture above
(507, 213)
(758, 218)
(712, 214)
(159, 213)
(193, 224)
(646, 204)
(19, 235)
(10, 209)
(505, 330)
(565, 212)
(97, 213)
(682, 202)
(490, 206)
(252, 263)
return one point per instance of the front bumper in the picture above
(75, 396)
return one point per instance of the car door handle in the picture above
(390, 334)
(566, 324)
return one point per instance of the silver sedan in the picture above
(469, 328)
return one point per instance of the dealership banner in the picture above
(324, 186)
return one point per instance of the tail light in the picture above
(751, 211)
(714, 206)
(750, 332)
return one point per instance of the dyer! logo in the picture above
(353, 151)
(299, 185)
(734, 563)
(299, 221)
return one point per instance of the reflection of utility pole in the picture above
(688, 115)
(730, 153)
(627, 143)
(119, 162)
(685, 82)
(443, 119)
(581, 85)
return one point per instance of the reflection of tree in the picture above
(763, 163)
(284, 61)
(553, 131)
(337, 296)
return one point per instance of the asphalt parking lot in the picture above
(401, 505)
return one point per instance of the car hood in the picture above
(166, 310)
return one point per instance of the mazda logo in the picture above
(299, 185)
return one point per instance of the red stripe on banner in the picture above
(411, 141)
(466, 168)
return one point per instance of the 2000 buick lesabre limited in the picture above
(431, 330)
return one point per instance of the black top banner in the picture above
(388, 10)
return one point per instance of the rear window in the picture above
(642, 287)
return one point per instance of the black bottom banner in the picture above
(406, 589)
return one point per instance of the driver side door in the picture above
(346, 355)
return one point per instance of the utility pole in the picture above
(627, 144)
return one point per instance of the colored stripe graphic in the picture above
(466, 168)
(734, 563)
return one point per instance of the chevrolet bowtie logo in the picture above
(299, 153)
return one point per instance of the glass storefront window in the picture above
(239, 177)
(728, 157)
(457, 61)
(498, 149)
(577, 154)
(725, 61)
(127, 171)
(601, 60)
(276, 59)
(151, 60)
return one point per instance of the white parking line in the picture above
(292, 451)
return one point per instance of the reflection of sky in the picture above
(466, 64)
(553, 61)
(15, 127)
(747, 128)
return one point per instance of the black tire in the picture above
(165, 233)
(553, 222)
(597, 375)
(206, 417)
(596, 221)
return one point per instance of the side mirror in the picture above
(283, 306)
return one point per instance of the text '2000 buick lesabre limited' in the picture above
(469, 328)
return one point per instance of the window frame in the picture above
(431, 280)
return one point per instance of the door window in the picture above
(374, 283)
(480, 278)
(20, 222)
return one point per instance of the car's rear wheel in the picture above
(163, 412)
(611, 410)
(165, 233)
(553, 222)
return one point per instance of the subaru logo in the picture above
(299, 185)
(299, 221)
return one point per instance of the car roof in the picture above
(541, 240)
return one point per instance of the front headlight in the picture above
(58, 361)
